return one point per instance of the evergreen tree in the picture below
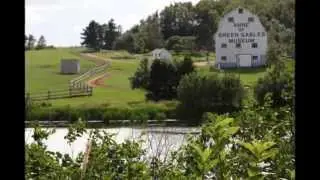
(31, 42)
(142, 75)
(91, 37)
(41, 43)
(25, 42)
(163, 81)
(111, 34)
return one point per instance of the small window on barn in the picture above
(230, 19)
(238, 45)
(250, 19)
(240, 10)
(254, 58)
(223, 58)
(223, 45)
(254, 45)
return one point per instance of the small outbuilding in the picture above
(161, 54)
(70, 66)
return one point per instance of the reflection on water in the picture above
(158, 140)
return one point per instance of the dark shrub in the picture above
(277, 81)
(180, 43)
(160, 116)
(141, 77)
(185, 67)
(116, 114)
(212, 93)
(163, 81)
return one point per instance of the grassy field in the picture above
(116, 89)
(42, 69)
(42, 73)
(124, 55)
(247, 76)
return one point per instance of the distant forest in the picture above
(183, 26)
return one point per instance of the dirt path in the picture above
(96, 59)
(98, 81)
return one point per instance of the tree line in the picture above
(183, 26)
(30, 42)
(100, 36)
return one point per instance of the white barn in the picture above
(240, 41)
(161, 54)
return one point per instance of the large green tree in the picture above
(125, 42)
(41, 43)
(163, 81)
(141, 77)
(31, 42)
(208, 15)
(111, 34)
(178, 19)
(151, 31)
(201, 21)
(25, 42)
(90, 36)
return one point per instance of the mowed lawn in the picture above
(116, 89)
(42, 69)
(44, 73)
(247, 76)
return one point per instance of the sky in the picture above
(62, 21)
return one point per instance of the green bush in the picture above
(163, 81)
(75, 114)
(180, 43)
(263, 135)
(139, 115)
(276, 82)
(116, 114)
(200, 93)
(185, 67)
(160, 116)
(141, 77)
(141, 112)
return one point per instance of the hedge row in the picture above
(101, 113)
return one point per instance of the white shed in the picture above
(241, 40)
(161, 54)
(70, 66)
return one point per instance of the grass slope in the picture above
(117, 90)
(42, 69)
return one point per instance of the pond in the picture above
(157, 140)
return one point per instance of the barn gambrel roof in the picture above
(235, 11)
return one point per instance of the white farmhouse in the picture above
(240, 41)
(161, 54)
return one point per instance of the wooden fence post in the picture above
(70, 94)
(28, 101)
(87, 89)
(28, 97)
